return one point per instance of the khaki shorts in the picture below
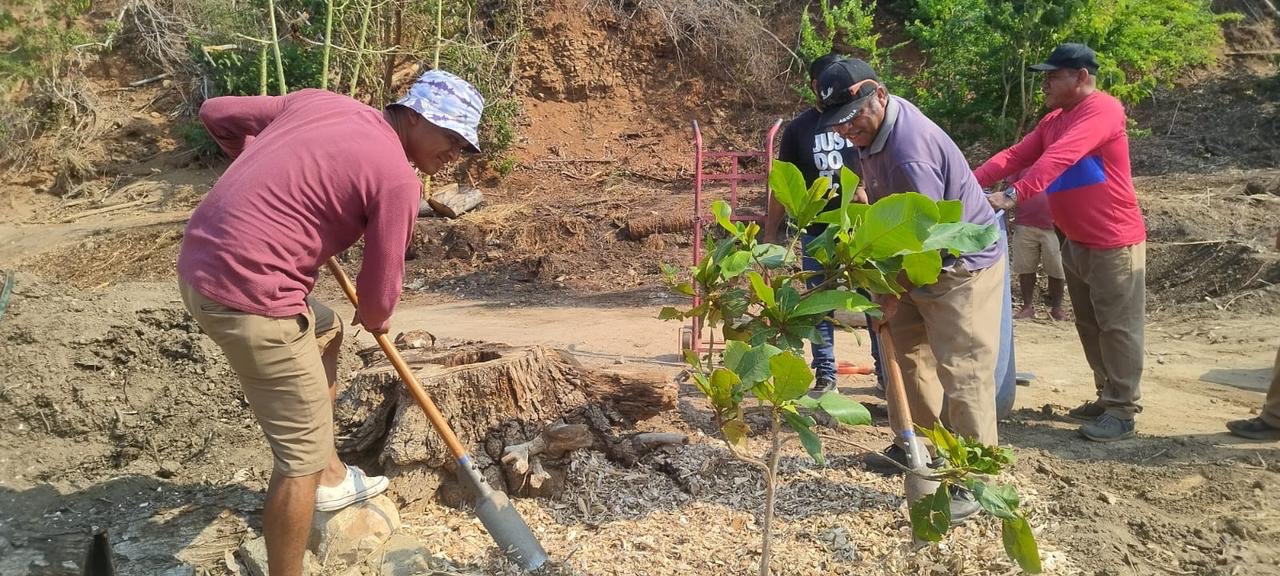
(278, 362)
(1034, 246)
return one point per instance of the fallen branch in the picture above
(146, 81)
(582, 160)
(112, 208)
(1270, 52)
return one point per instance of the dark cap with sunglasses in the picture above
(843, 88)
(1069, 56)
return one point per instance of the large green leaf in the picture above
(723, 381)
(669, 313)
(922, 267)
(720, 209)
(854, 212)
(844, 409)
(763, 291)
(822, 248)
(896, 224)
(815, 202)
(947, 445)
(751, 364)
(960, 237)
(931, 515)
(723, 248)
(848, 185)
(733, 304)
(788, 299)
(803, 427)
(874, 280)
(735, 432)
(827, 300)
(787, 185)
(791, 376)
(772, 256)
(1020, 544)
(735, 264)
(733, 353)
(950, 210)
(701, 381)
(996, 499)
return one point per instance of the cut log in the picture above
(525, 407)
(643, 226)
(452, 200)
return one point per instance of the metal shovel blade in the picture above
(502, 520)
(918, 487)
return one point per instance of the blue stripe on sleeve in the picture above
(1084, 173)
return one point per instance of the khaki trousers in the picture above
(947, 337)
(1108, 294)
(1035, 246)
(1271, 410)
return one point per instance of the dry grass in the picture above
(141, 254)
(728, 38)
(497, 216)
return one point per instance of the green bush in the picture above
(846, 28)
(42, 42)
(974, 82)
(484, 55)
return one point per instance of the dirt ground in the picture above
(116, 412)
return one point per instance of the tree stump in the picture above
(500, 400)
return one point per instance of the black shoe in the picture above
(963, 505)
(1254, 429)
(883, 462)
(822, 386)
(1087, 412)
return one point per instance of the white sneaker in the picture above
(354, 488)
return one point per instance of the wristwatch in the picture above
(1011, 193)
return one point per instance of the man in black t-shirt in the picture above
(819, 153)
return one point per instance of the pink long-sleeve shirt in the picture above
(312, 171)
(1080, 159)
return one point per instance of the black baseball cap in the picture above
(821, 63)
(842, 90)
(1069, 56)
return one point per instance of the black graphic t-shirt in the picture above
(818, 153)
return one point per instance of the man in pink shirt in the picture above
(1078, 156)
(1035, 243)
(311, 173)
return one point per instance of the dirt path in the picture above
(1200, 371)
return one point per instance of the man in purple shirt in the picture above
(312, 172)
(947, 334)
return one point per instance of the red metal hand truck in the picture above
(731, 169)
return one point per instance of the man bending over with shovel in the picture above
(947, 334)
(312, 172)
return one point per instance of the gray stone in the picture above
(347, 537)
(253, 554)
(405, 556)
(180, 570)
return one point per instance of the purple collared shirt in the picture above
(912, 154)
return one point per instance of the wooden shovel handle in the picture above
(424, 401)
(895, 391)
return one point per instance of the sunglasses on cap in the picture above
(842, 97)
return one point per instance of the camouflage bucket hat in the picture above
(448, 102)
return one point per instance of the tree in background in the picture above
(973, 80)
